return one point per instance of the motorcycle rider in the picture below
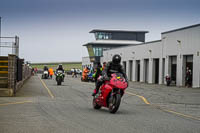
(112, 67)
(60, 68)
(85, 73)
(46, 69)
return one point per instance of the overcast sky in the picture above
(55, 30)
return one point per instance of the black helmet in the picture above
(60, 66)
(116, 59)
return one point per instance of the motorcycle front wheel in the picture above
(59, 81)
(95, 105)
(114, 103)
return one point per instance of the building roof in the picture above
(113, 42)
(125, 31)
(192, 26)
(152, 42)
(143, 43)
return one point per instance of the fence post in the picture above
(17, 46)
(12, 74)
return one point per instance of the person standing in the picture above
(188, 77)
(74, 73)
(51, 72)
(32, 71)
(104, 65)
(98, 72)
(35, 70)
(85, 73)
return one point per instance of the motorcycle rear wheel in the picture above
(114, 103)
(95, 105)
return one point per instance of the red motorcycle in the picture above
(110, 93)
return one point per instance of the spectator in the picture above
(104, 65)
(35, 70)
(74, 73)
(51, 72)
(188, 77)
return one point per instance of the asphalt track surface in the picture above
(43, 107)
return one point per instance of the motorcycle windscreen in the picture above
(45, 72)
(59, 71)
(118, 81)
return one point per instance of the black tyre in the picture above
(95, 105)
(114, 103)
(45, 76)
(59, 81)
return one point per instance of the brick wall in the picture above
(13, 85)
(11, 74)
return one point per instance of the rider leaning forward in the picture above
(60, 68)
(112, 67)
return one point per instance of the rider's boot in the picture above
(94, 93)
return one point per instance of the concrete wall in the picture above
(178, 43)
(12, 74)
(132, 53)
(181, 43)
(13, 85)
(26, 75)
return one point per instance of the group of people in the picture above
(51, 71)
(34, 71)
(188, 78)
(87, 71)
(74, 73)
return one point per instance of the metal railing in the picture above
(9, 45)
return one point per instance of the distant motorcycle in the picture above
(168, 80)
(91, 77)
(59, 77)
(110, 93)
(45, 75)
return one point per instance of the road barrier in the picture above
(13, 74)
